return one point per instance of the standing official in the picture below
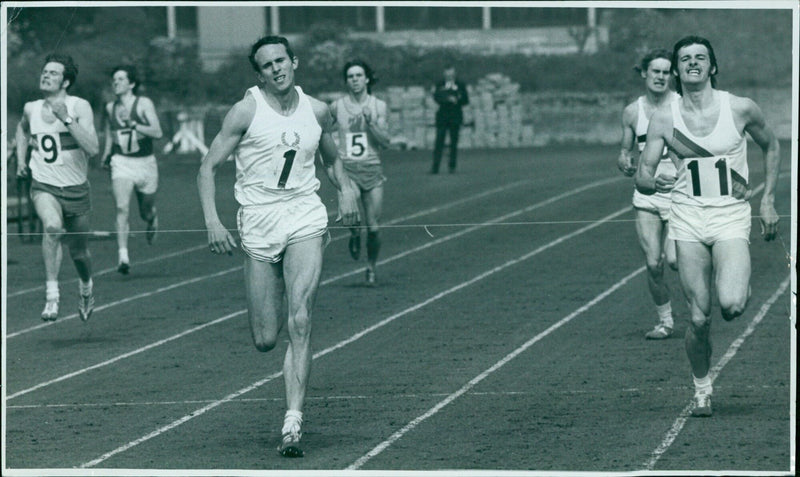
(451, 95)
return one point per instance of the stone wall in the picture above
(500, 116)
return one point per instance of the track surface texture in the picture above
(506, 332)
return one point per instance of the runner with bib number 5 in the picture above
(361, 118)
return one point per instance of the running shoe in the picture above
(86, 306)
(290, 445)
(50, 312)
(660, 332)
(152, 229)
(370, 278)
(355, 246)
(702, 404)
(123, 268)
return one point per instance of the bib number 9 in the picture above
(356, 145)
(128, 141)
(709, 177)
(50, 148)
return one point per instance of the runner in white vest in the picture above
(63, 136)
(710, 216)
(275, 131)
(361, 118)
(652, 211)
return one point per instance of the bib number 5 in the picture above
(709, 177)
(356, 145)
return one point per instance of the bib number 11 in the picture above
(709, 177)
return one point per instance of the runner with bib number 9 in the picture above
(61, 128)
(361, 118)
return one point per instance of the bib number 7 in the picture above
(709, 177)
(127, 140)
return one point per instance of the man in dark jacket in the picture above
(451, 95)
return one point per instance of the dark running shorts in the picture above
(367, 175)
(75, 200)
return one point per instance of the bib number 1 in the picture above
(708, 177)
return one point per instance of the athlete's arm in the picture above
(148, 111)
(82, 126)
(625, 159)
(646, 181)
(762, 134)
(377, 125)
(233, 128)
(348, 194)
(108, 141)
(21, 136)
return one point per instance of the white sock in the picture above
(85, 288)
(292, 421)
(123, 255)
(51, 290)
(665, 313)
(702, 384)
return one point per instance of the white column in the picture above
(591, 17)
(487, 18)
(380, 21)
(171, 27)
(274, 20)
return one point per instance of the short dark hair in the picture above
(268, 40)
(70, 68)
(368, 72)
(651, 55)
(130, 71)
(694, 40)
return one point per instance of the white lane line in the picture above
(203, 277)
(677, 426)
(424, 212)
(114, 269)
(472, 383)
(355, 337)
(126, 300)
(126, 355)
(401, 396)
(323, 283)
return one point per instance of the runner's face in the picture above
(657, 75)
(52, 78)
(275, 68)
(121, 83)
(694, 64)
(356, 79)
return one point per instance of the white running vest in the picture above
(354, 141)
(708, 165)
(56, 158)
(275, 157)
(665, 166)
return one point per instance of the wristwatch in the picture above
(68, 120)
